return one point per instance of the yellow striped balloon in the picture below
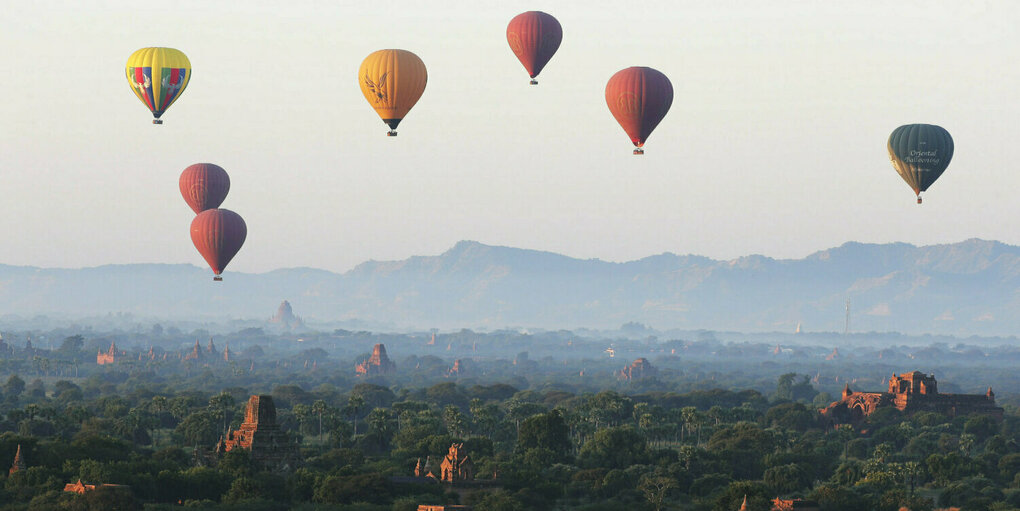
(392, 82)
(158, 77)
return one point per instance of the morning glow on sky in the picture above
(775, 143)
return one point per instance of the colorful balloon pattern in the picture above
(158, 77)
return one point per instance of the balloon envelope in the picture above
(218, 234)
(920, 154)
(534, 37)
(158, 76)
(204, 186)
(392, 82)
(639, 98)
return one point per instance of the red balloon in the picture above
(534, 36)
(204, 186)
(639, 98)
(218, 234)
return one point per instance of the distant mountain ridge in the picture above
(970, 287)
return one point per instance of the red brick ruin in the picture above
(377, 364)
(261, 436)
(909, 392)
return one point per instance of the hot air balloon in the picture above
(218, 234)
(639, 98)
(204, 186)
(158, 77)
(534, 36)
(392, 81)
(920, 153)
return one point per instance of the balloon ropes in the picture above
(639, 97)
(158, 76)
(920, 154)
(534, 37)
(392, 82)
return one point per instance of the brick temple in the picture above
(261, 436)
(109, 356)
(378, 364)
(457, 466)
(637, 370)
(19, 463)
(909, 392)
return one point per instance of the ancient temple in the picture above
(6, 350)
(226, 353)
(909, 392)
(460, 368)
(110, 356)
(195, 353)
(639, 369)
(285, 317)
(211, 348)
(80, 488)
(262, 436)
(457, 466)
(19, 463)
(792, 505)
(377, 364)
(425, 470)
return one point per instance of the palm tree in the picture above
(354, 405)
(158, 405)
(319, 407)
(221, 404)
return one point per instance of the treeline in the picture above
(548, 448)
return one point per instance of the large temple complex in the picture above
(909, 392)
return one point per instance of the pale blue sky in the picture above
(775, 143)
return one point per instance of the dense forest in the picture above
(544, 433)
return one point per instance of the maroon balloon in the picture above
(218, 234)
(204, 186)
(534, 37)
(639, 98)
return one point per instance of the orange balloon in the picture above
(392, 82)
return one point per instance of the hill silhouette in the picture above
(962, 288)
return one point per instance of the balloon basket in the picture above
(217, 278)
(639, 151)
(391, 133)
(157, 121)
(534, 82)
(918, 199)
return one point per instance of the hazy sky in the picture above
(775, 143)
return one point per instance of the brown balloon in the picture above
(218, 234)
(639, 97)
(204, 186)
(534, 37)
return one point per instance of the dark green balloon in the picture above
(920, 153)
